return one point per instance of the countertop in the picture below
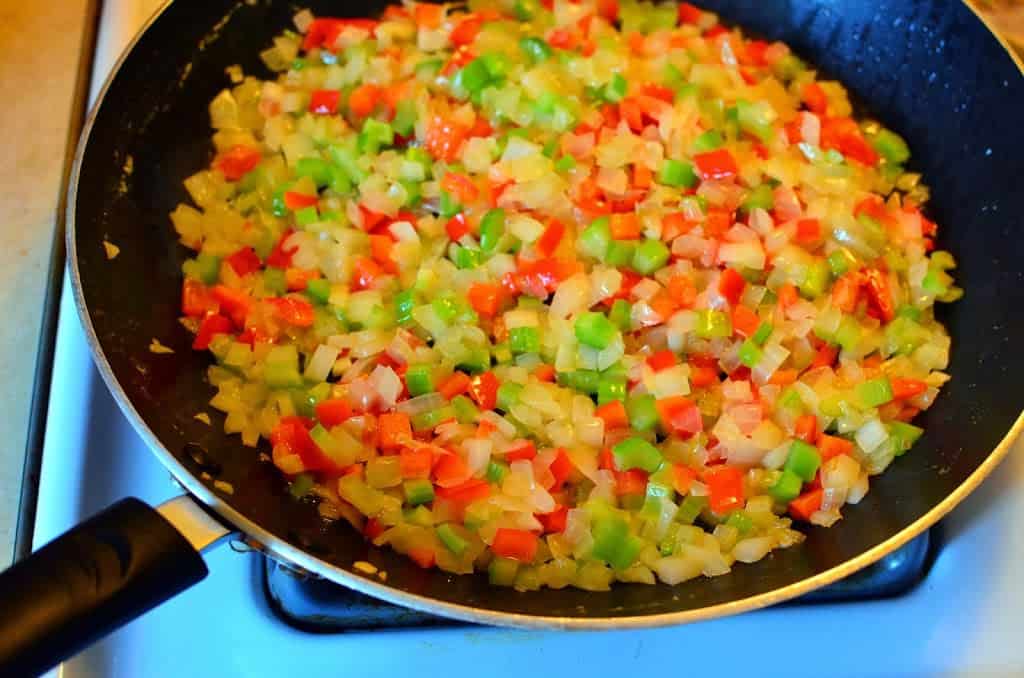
(40, 51)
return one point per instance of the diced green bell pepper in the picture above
(874, 392)
(643, 412)
(508, 395)
(713, 324)
(650, 256)
(595, 330)
(585, 381)
(750, 353)
(803, 460)
(274, 281)
(535, 48)
(595, 239)
(708, 141)
(787, 487)
(637, 453)
(762, 197)
(502, 571)
(613, 543)
(451, 539)
(904, 435)
(610, 387)
(419, 379)
(620, 253)
(492, 228)
(677, 174)
(621, 314)
(524, 340)
(465, 411)
(418, 491)
(891, 146)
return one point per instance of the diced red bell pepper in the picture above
(744, 321)
(806, 504)
(814, 96)
(472, 490)
(294, 200)
(844, 135)
(365, 272)
(444, 139)
(281, 256)
(415, 462)
(833, 446)
(244, 261)
(717, 221)
(613, 414)
(688, 14)
(518, 545)
(333, 412)
(484, 390)
(662, 360)
(457, 384)
(211, 326)
(825, 357)
(297, 279)
(373, 528)
(880, 293)
(725, 488)
(450, 469)
(196, 299)
(294, 311)
(807, 428)
(324, 101)
(633, 481)
(731, 285)
(457, 227)
(324, 32)
(422, 556)
(701, 376)
(682, 478)
(680, 415)
(549, 240)
(903, 389)
(625, 226)
(555, 521)
(524, 450)
(363, 100)
(541, 277)
(485, 298)
(808, 231)
(561, 468)
(427, 14)
(465, 31)
(238, 161)
(715, 165)
(846, 292)
(235, 303)
(394, 430)
(460, 186)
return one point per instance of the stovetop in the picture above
(960, 612)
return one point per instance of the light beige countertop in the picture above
(40, 48)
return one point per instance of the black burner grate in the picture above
(320, 606)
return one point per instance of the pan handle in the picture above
(98, 576)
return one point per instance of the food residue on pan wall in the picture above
(156, 347)
(226, 488)
(203, 417)
(112, 249)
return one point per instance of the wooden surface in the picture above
(40, 45)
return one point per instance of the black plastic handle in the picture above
(89, 582)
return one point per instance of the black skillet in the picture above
(929, 69)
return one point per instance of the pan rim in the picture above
(283, 549)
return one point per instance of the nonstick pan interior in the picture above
(928, 69)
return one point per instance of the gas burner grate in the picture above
(320, 606)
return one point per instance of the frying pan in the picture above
(928, 68)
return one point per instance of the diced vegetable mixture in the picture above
(567, 292)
